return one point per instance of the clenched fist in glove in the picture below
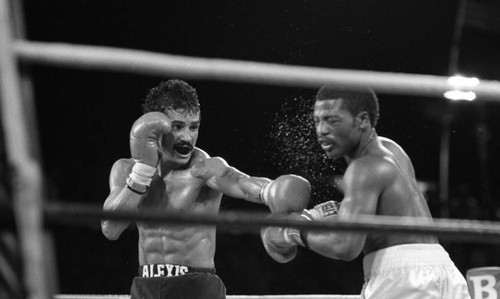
(280, 251)
(145, 138)
(281, 242)
(286, 194)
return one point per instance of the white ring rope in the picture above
(84, 296)
(460, 230)
(149, 63)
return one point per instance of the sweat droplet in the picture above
(292, 148)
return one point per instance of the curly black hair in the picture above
(173, 94)
(353, 101)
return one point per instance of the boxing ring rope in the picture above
(150, 63)
(70, 296)
(28, 192)
(461, 230)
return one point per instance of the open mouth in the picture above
(326, 146)
(183, 149)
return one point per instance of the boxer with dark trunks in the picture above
(167, 172)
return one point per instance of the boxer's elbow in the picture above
(335, 247)
(342, 253)
(110, 231)
(347, 255)
(349, 249)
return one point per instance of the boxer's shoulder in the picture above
(198, 156)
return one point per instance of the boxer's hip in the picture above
(405, 256)
(172, 281)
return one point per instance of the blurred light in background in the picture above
(461, 86)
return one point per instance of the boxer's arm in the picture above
(120, 198)
(363, 184)
(130, 179)
(229, 180)
(285, 194)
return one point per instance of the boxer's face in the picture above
(179, 145)
(336, 128)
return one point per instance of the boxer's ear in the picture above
(364, 119)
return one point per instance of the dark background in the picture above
(84, 118)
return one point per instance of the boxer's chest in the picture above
(178, 191)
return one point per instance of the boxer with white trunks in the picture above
(379, 180)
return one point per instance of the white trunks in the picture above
(412, 271)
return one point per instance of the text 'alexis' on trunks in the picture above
(168, 270)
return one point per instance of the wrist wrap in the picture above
(140, 178)
(142, 173)
(324, 210)
(294, 235)
(263, 193)
(136, 187)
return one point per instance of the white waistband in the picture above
(406, 255)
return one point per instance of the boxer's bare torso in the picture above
(401, 197)
(177, 191)
(379, 180)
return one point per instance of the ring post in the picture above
(26, 172)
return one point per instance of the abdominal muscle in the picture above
(181, 245)
(185, 245)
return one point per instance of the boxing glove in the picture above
(278, 250)
(286, 194)
(145, 137)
